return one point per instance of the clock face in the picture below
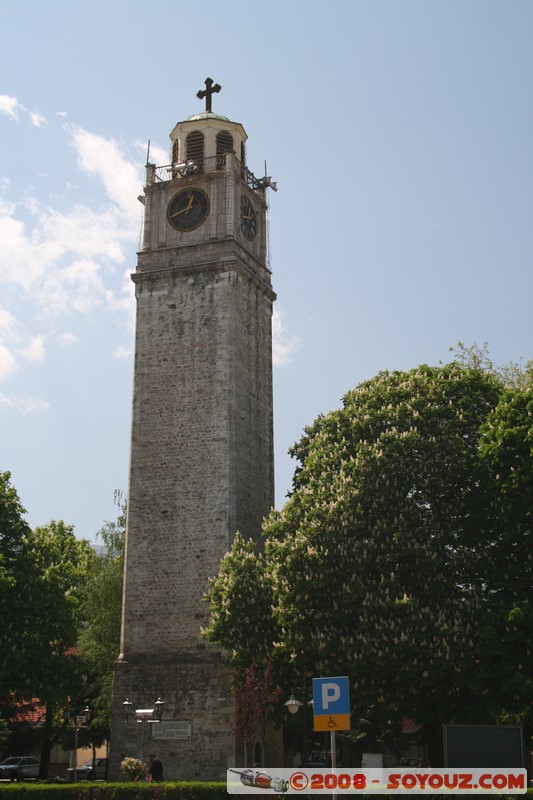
(188, 209)
(248, 219)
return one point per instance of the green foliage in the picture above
(141, 790)
(42, 577)
(4, 735)
(99, 640)
(507, 449)
(399, 552)
(240, 597)
(56, 565)
(52, 587)
(513, 375)
(183, 790)
(13, 530)
(371, 559)
(41, 581)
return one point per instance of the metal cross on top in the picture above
(208, 92)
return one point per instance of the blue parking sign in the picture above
(331, 696)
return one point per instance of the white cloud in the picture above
(9, 339)
(8, 363)
(24, 404)
(9, 106)
(283, 344)
(7, 320)
(36, 118)
(103, 157)
(12, 107)
(34, 350)
(17, 263)
(78, 287)
(122, 352)
(157, 155)
(56, 262)
(62, 259)
(68, 339)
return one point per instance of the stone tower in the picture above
(201, 460)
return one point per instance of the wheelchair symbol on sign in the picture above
(331, 723)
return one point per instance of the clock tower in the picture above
(201, 458)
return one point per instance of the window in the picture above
(224, 145)
(175, 153)
(195, 147)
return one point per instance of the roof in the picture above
(206, 115)
(31, 712)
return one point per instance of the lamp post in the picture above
(293, 705)
(148, 715)
(81, 721)
(127, 706)
(159, 707)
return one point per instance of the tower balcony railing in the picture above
(204, 166)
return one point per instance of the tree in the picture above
(377, 565)
(99, 641)
(254, 699)
(375, 550)
(241, 597)
(42, 572)
(56, 567)
(13, 530)
(507, 449)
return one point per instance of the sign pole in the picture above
(331, 709)
(333, 757)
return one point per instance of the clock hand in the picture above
(184, 210)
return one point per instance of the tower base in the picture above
(195, 738)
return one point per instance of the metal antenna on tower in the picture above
(266, 182)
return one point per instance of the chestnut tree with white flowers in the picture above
(403, 557)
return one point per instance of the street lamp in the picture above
(126, 705)
(82, 720)
(159, 708)
(154, 714)
(149, 715)
(293, 705)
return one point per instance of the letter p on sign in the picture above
(330, 694)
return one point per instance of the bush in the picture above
(132, 790)
(134, 767)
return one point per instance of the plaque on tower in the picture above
(174, 729)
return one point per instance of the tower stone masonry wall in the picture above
(201, 468)
(202, 433)
(196, 689)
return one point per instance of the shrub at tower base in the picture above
(141, 790)
(403, 557)
(164, 791)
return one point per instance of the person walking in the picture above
(155, 769)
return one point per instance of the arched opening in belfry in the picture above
(224, 145)
(195, 147)
(175, 151)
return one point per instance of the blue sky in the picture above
(400, 133)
